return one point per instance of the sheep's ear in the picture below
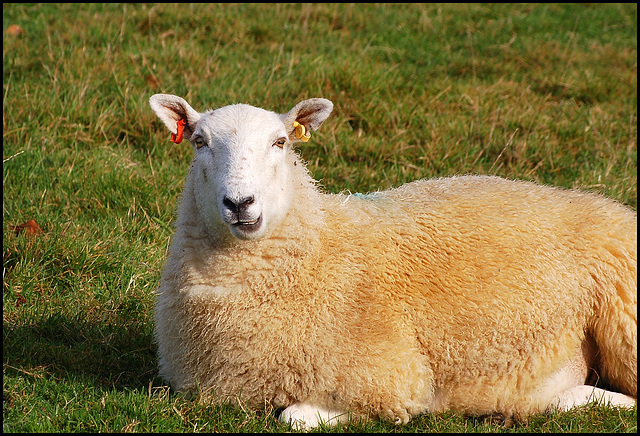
(306, 116)
(171, 109)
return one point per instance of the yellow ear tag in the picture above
(301, 132)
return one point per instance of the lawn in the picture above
(540, 92)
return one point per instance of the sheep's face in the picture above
(242, 169)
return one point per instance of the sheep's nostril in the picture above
(229, 204)
(244, 203)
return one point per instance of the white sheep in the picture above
(475, 293)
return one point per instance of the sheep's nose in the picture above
(237, 206)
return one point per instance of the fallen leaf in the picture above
(20, 300)
(152, 81)
(15, 30)
(31, 228)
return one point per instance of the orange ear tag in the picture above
(177, 138)
(301, 132)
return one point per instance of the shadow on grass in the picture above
(115, 353)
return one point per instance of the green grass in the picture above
(537, 92)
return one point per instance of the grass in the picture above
(537, 92)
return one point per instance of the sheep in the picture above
(470, 293)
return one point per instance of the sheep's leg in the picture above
(304, 416)
(583, 394)
(567, 389)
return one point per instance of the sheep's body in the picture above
(473, 293)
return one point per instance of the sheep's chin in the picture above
(248, 231)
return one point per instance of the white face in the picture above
(242, 179)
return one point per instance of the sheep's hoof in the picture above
(304, 416)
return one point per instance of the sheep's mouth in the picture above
(248, 226)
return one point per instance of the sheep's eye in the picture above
(199, 142)
(280, 142)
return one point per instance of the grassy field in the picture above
(537, 92)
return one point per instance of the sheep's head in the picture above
(242, 162)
